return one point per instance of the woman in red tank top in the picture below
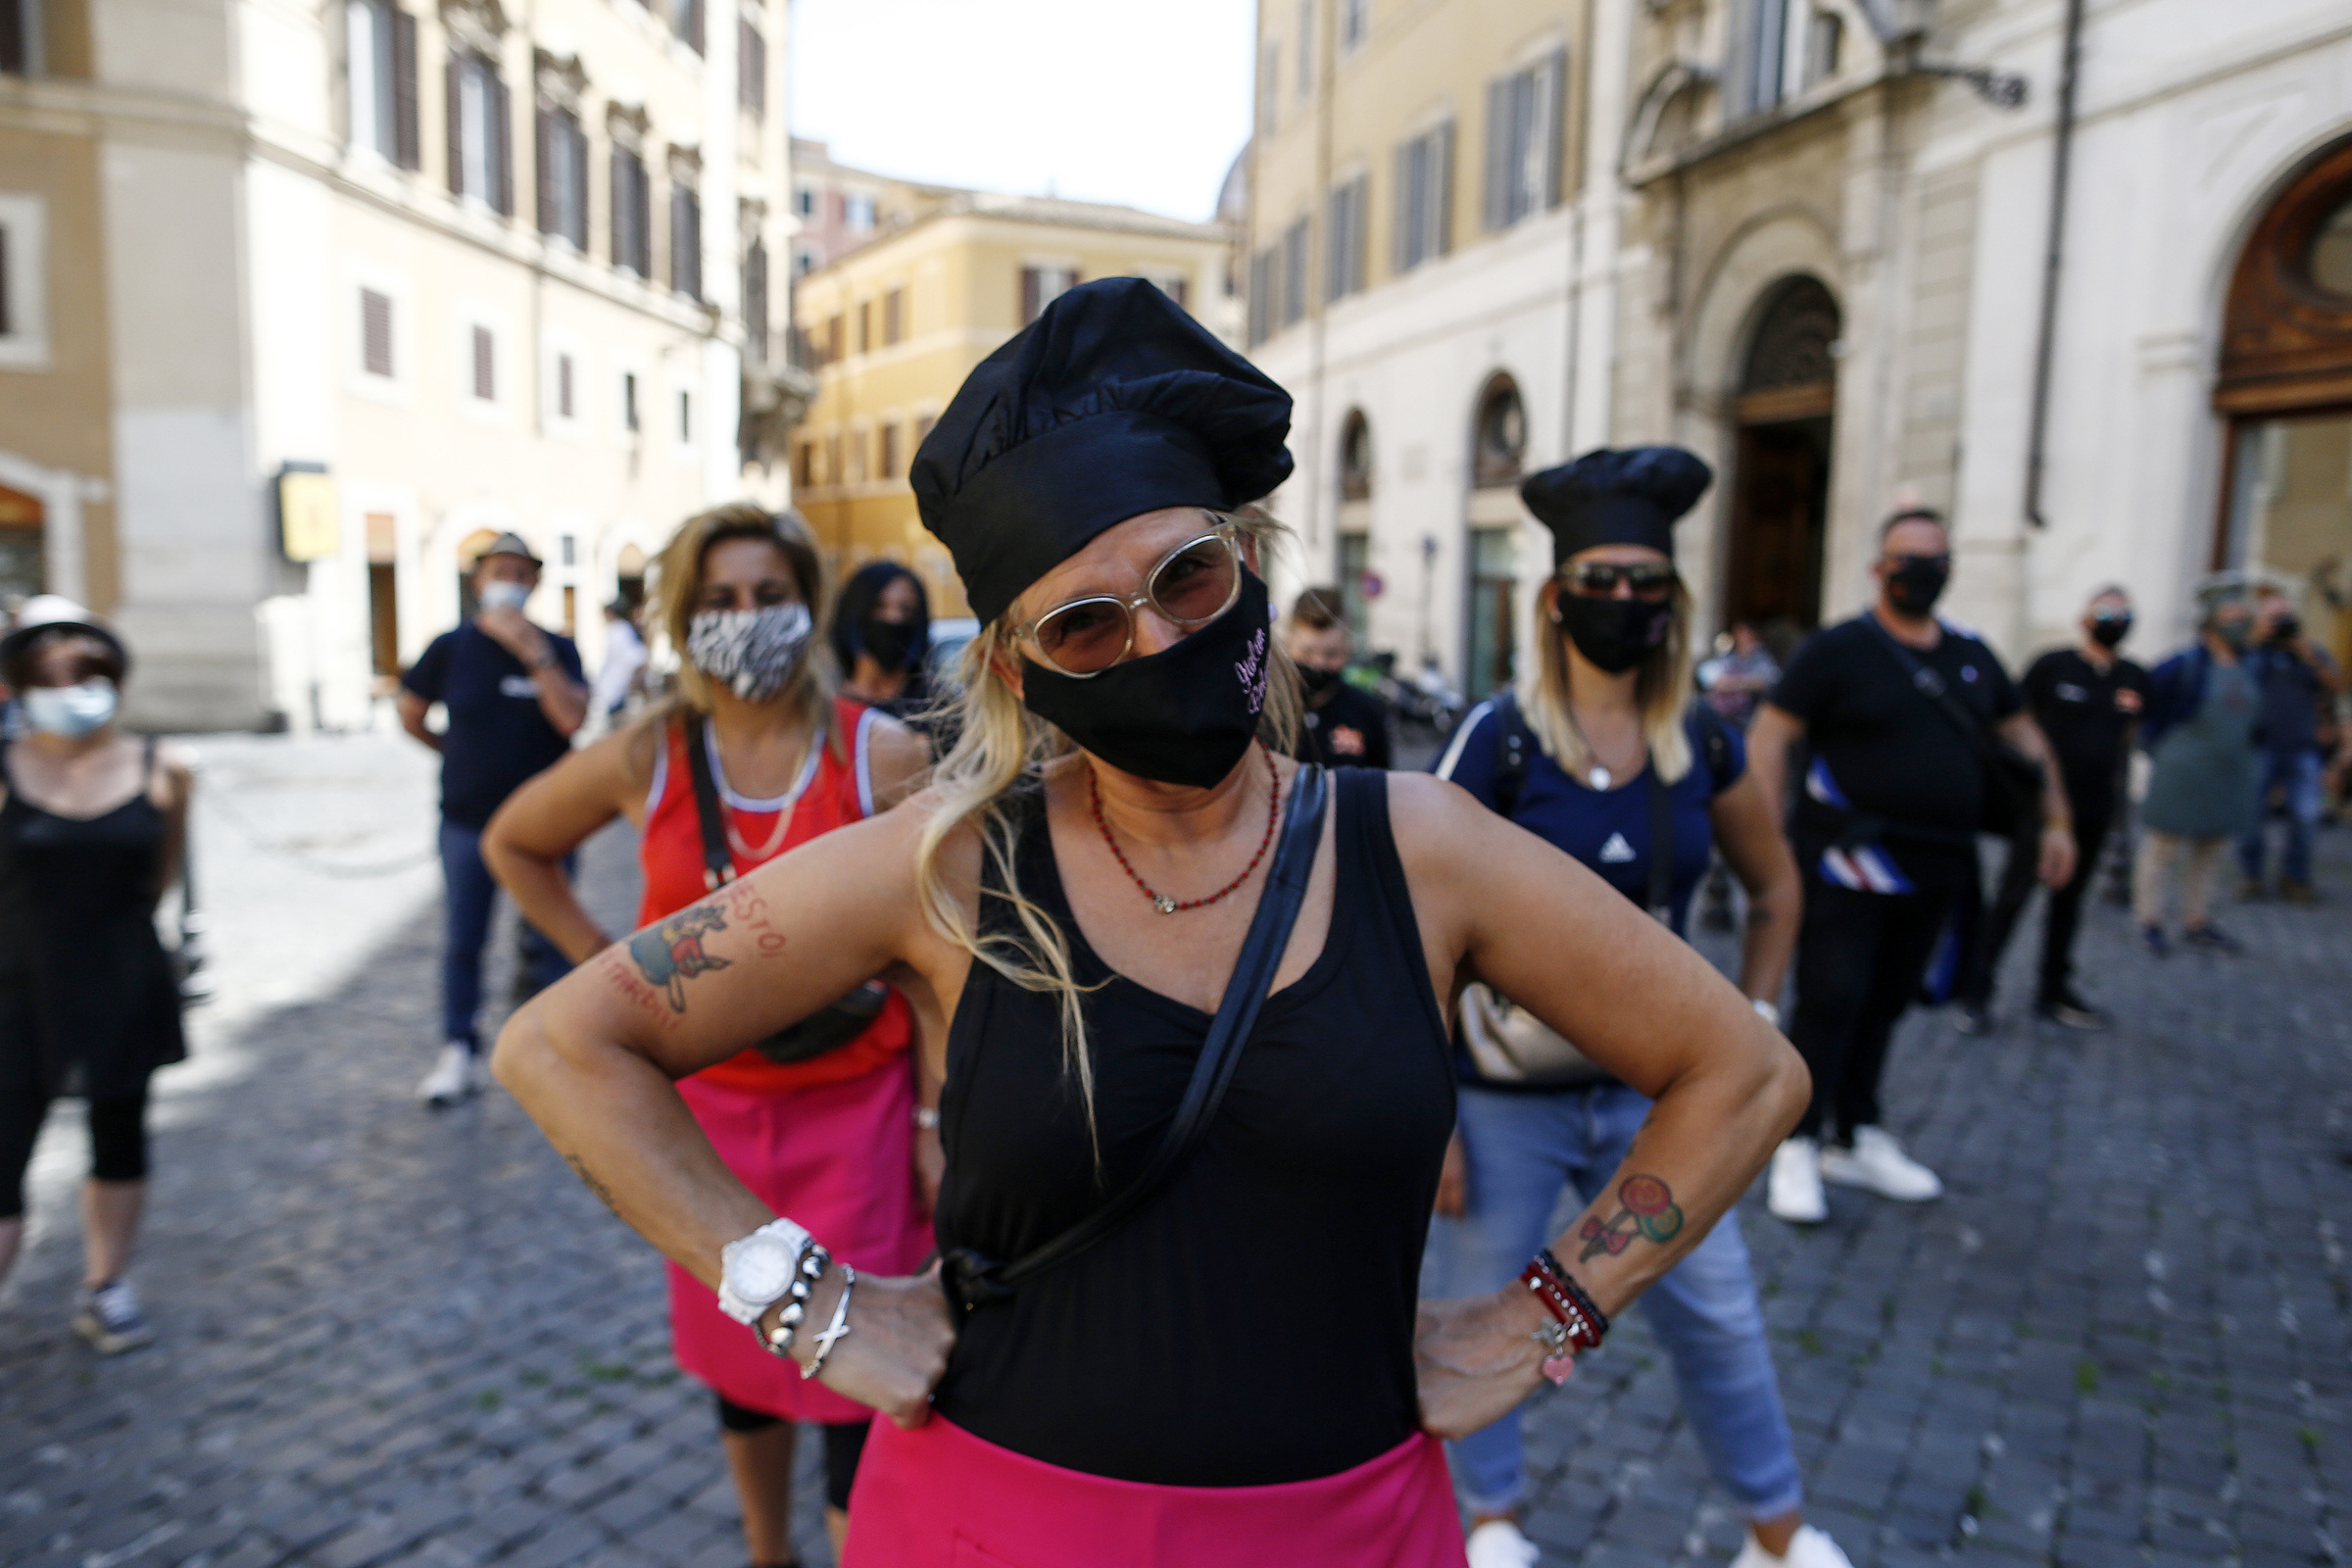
(788, 761)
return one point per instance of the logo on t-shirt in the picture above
(2067, 691)
(1968, 672)
(1616, 851)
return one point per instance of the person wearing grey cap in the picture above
(514, 696)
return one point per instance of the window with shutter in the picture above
(375, 332)
(406, 147)
(501, 124)
(485, 366)
(893, 315)
(1294, 273)
(686, 21)
(1524, 123)
(368, 74)
(1032, 295)
(1424, 197)
(686, 241)
(1262, 297)
(833, 338)
(751, 59)
(865, 327)
(1344, 239)
(632, 239)
(804, 465)
(481, 157)
(542, 163)
(629, 401)
(564, 408)
(754, 302)
(686, 416)
(888, 468)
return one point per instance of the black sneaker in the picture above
(2070, 1011)
(1973, 1018)
(2210, 938)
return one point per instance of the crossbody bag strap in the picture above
(1930, 684)
(718, 865)
(1661, 844)
(972, 1279)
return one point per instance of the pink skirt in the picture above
(939, 1497)
(838, 1158)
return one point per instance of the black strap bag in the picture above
(828, 1029)
(971, 1278)
(2012, 793)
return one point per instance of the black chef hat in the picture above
(1608, 497)
(1113, 403)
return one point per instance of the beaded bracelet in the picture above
(814, 1260)
(837, 1330)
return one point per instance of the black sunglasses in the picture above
(1601, 577)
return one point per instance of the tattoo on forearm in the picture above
(580, 1169)
(1645, 1208)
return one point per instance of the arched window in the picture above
(1779, 485)
(1498, 443)
(1793, 357)
(1355, 457)
(2285, 386)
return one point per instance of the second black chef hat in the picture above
(1630, 496)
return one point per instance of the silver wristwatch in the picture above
(757, 1271)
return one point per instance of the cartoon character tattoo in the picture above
(670, 952)
(1645, 1208)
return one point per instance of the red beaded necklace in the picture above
(1160, 901)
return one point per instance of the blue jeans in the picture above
(470, 891)
(2297, 774)
(1522, 1149)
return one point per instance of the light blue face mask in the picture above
(505, 595)
(70, 711)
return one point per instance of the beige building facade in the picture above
(452, 269)
(1809, 239)
(894, 328)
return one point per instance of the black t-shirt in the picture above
(497, 735)
(2087, 713)
(1884, 748)
(1350, 730)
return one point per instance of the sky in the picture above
(1143, 102)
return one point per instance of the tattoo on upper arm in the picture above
(1645, 1208)
(670, 953)
(580, 1168)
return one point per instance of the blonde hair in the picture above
(1661, 690)
(808, 695)
(996, 765)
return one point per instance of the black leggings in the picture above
(117, 1141)
(843, 1442)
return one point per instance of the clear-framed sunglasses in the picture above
(1193, 585)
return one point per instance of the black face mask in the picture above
(1615, 634)
(890, 643)
(1914, 586)
(2108, 631)
(1183, 716)
(1318, 683)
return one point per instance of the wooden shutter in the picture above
(1441, 191)
(690, 20)
(453, 79)
(751, 57)
(754, 301)
(405, 149)
(1032, 294)
(375, 332)
(543, 168)
(1498, 153)
(564, 385)
(485, 366)
(1405, 231)
(621, 212)
(501, 105)
(1551, 126)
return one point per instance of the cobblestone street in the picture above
(2124, 1337)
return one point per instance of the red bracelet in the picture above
(1565, 1301)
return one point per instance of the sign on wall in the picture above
(309, 526)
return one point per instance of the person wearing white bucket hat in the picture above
(93, 828)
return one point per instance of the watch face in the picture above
(763, 1269)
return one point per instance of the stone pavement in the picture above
(393, 1338)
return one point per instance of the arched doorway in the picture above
(2286, 387)
(1355, 521)
(1780, 490)
(22, 519)
(1498, 453)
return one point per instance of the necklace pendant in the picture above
(1164, 904)
(1599, 778)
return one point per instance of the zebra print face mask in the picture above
(752, 652)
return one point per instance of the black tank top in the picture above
(78, 941)
(1253, 1324)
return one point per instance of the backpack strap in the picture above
(718, 865)
(1515, 748)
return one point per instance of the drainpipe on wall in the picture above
(2045, 345)
(1319, 222)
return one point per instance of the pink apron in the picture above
(939, 1497)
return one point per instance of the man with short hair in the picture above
(2296, 679)
(2087, 698)
(1898, 709)
(514, 696)
(1342, 726)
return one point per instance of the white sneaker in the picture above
(1793, 1192)
(1807, 1548)
(1876, 1164)
(109, 1317)
(458, 1074)
(1497, 1543)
